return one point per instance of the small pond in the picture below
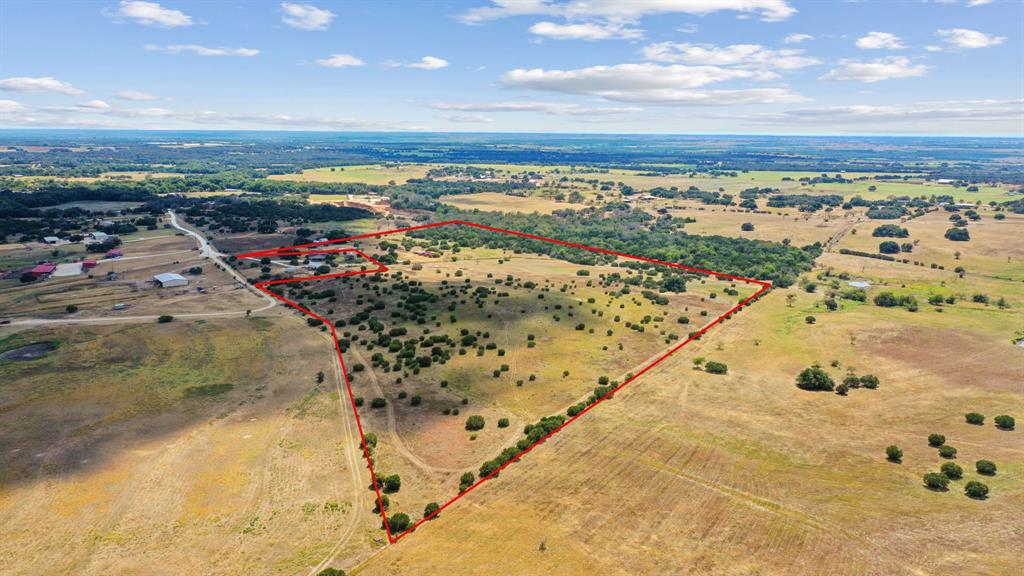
(29, 351)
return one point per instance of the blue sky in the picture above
(665, 66)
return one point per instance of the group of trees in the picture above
(623, 229)
(816, 378)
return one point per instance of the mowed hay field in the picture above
(686, 472)
(367, 174)
(185, 448)
(498, 202)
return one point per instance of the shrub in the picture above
(165, 319)
(503, 423)
(71, 308)
(958, 234)
(889, 247)
(952, 471)
(974, 418)
(869, 381)
(947, 451)
(893, 453)
(399, 523)
(415, 401)
(747, 227)
(935, 481)
(810, 319)
(815, 378)
(716, 367)
(331, 572)
(430, 509)
(466, 481)
(986, 467)
(474, 423)
(392, 483)
(936, 440)
(378, 403)
(1004, 422)
(976, 490)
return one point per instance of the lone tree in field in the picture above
(976, 490)
(1004, 422)
(331, 572)
(974, 418)
(936, 440)
(474, 423)
(716, 367)
(430, 509)
(747, 227)
(935, 481)
(893, 453)
(398, 523)
(947, 451)
(986, 467)
(466, 481)
(952, 471)
(815, 378)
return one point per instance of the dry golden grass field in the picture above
(203, 447)
(111, 466)
(746, 474)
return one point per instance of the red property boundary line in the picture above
(380, 268)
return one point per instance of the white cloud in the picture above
(203, 50)
(306, 16)
(41, 84)
(880, 41)
(688, 29)
(551, 108)
(652, 83)
(92, 114)
(586, 31)
(469, 118)
(924, 115)
(933, 48)
(135, 95)
(429, 63)
(626, 10)
(95, 105)
(150, 14)
(339, 61)
(739, 55)
(973, 3)
(871, 71)
(969, 39)
(797, 38)
(10, 106)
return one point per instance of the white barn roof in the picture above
(170, 278)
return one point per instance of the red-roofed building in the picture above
(42, 270)
(115, 253)
(88, 264)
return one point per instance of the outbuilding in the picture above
(88, 264)
(42, 270)
(170, 280)
(51, 240)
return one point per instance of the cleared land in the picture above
(202, 447)
(368, 174)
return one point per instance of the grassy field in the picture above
(497, 202)
(203, 447)
(430, 449)
(368, 174)
(748, 474)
